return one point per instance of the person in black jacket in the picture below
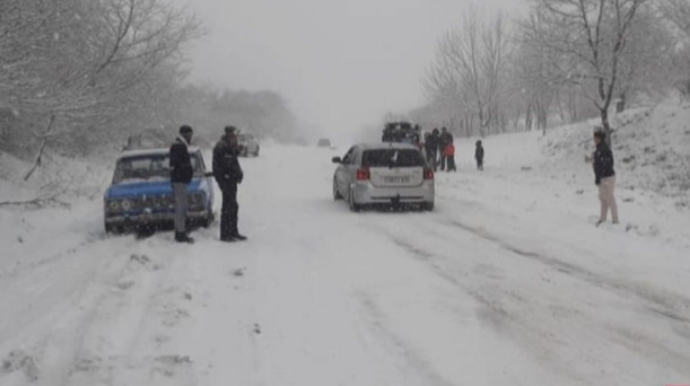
(605, 178)
(479, 155)
(181, 173)
(445, 139)
(432, 145)
(228, 174)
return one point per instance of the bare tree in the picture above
(537, 73)
(677, 13)
(469, 70)
(594, 35)
(95, 69)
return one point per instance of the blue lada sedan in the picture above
(140, 195)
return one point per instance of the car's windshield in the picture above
(392, 158)
(148, 168)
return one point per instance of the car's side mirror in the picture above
(337, 160)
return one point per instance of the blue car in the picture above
(140, 195)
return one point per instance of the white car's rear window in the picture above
(400, 158)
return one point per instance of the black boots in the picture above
(233, 238)
(183, 238)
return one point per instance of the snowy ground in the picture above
(507, 283)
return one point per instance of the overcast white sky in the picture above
(340, 63)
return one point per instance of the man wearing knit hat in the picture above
(228, 174)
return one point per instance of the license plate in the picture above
(397, 179)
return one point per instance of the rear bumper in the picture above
(367, 194)
(144, 219)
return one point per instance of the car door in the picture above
(344, 172)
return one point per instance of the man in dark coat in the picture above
(445, 140)
(432, 149)
(181, 173)
(605, 177)
(228, 174)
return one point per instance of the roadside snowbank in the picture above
(652, 149)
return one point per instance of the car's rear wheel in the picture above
(113, 229)
(336, 193)
(354, 207)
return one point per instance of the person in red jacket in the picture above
(449, 154)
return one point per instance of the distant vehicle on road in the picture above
(248, 145)
(324, 142)
(140, 195)
(401, 132)
(384, 174)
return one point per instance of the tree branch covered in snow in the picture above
(38, 202)
(469, 72)
(569, 59)
(99, 69)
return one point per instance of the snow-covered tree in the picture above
(595, 36)
(80, 73)
(470, 69)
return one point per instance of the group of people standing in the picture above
(226, 171)
(439, 148)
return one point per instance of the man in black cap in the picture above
(228, 174)
(181, 173)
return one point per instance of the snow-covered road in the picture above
(506, 283)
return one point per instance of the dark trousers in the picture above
(451, 163)
(480, 164)
(229, 212)
(444, 159)
(431, 159)
(181, 207)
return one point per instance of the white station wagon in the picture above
(384, 174)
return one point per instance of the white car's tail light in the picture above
(363, 174)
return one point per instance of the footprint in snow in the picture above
(125, 285)
(86, 365)
(168, 364)
(172, 316)
(239, 272)
(21, 361)
(141, 259)
(161, 339)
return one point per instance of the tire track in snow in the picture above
(494, 312)
(107, 336)
(506, 321)
(70, 251)
(376, 321)
(113, 325)
(672, 306)
(60, 327)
